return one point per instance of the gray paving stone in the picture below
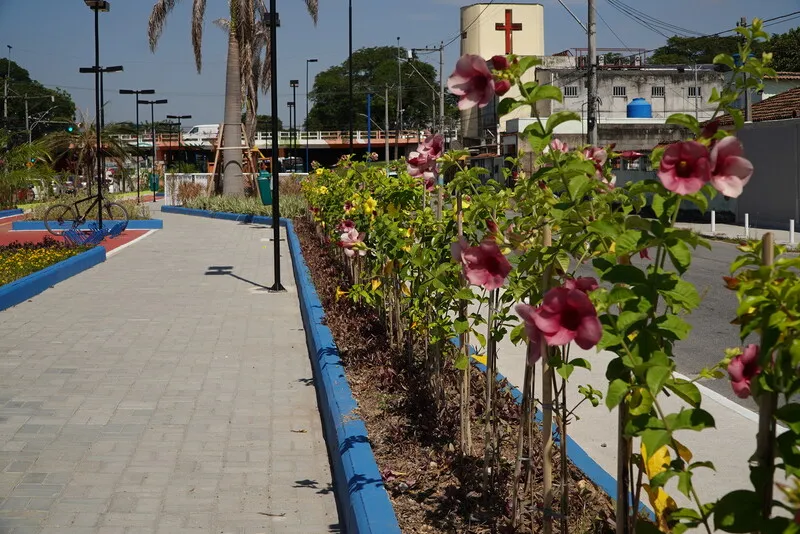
(166, 402)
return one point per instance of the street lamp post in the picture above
(291, 127)
(5, 85)
(99, 71)
(152, 104)
(97, 6)
(179, 118)
(314, 60)
(136, 92)
(294, 84)
(350, 67)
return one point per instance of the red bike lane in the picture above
(8, 236)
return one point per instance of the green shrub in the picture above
(135, 211)
(292, 205)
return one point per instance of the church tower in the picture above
(498, 29)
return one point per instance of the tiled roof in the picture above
(784, 105)
(784, 76)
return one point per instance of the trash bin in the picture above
(265, 187)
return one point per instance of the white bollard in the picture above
(747, 226)
(713, 222)
(791, 232)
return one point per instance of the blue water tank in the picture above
(639, 108)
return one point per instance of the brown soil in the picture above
(433, 488)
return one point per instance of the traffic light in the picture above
(70, 128)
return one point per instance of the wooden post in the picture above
(463, 338)
(767, 404)
(547, 412)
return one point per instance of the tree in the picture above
(373, 70)
(785, 48)
(20, 167)
(264, 123)
(49, 110)
(256, 69)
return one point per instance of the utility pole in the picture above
(386, 120)
(696, 94)
(591, 108)
(399, 102)
(27, 119)
(5, 88)
(441, 86)
(748, 104)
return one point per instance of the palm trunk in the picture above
(233, 179)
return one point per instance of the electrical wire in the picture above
(662, 24)
(612, 31)
(460, 33)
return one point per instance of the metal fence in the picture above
(172, 182)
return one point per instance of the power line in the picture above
(460, 33)
(612, 31)
(663, 24)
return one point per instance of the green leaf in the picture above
(790, 414)
(464, 294)
(628, 242)
(686, 121)
(627, 319)
(560, 117)
(526, 62)
(544, 92)
(603, 228)
(738, 511)
(724, 59)
(624, 274)
(686, 390)
(582, 363)
(563, 260)
(575, 186)
(565, 370)
(641, 402)
(646, 527)
(620, 294)
(658, 205)
(690, 419)
(654, 439)
(617, 390)
(460, 326)
(685, 482)
(680, 255)
(684, 294)
(675, 325)
(656, 378)
(507, 105)
(462, 360)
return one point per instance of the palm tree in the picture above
(79, 148)
(256, 69)
(242, 22)
(21, 166)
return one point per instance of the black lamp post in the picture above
(276, 190)
(294, 84)
(152, 104)
(97, 6)
(291, 127)
(179, 118)
(136, 92)
(314, 60)
(350, 68)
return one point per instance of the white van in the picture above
(201, 134)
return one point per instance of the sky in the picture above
(52, 39)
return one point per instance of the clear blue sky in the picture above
(53, 38)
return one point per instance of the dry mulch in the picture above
(433, 488)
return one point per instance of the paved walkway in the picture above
(164, 391)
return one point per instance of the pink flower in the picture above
(527, 313)
(484, 265)
(730, 171)
(492, 229)
(348, 207)
(352, 241)
(346, 225)
(557, 145)
(743, 369)
(630, 154)
(710, 129)
(422, 162)
(685, 167)
(645, 254)
(430, 183)
(501, 87)
(432, 146)
(373, 156)
(587, 284)
(472, 81)
(499, 62)
(567, 315)
(596, 154)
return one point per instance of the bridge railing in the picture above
(286, 137)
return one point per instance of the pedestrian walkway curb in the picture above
(35, 283)
(10, 213)
(363, 502)
(144, 224)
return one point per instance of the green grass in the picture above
(292, 205)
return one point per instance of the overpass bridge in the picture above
(324, 146)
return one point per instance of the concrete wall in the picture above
(638, 83)
(773, 195)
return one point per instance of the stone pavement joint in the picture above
(151, 394)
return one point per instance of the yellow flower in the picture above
(376, 284)
(319, 171)
(370, 205)
(339, 292)
(322, 190)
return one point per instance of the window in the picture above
(695, 92)
(618, 90)
(571, 91)
(658, 91)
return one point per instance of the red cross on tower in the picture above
(509, 27)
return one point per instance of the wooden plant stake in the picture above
(463, 338)
(523, 436)
(767, 404)
(547, 411)
(489, 449)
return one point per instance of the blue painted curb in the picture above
(10, 213)
(579, 457)
(148, 224)
(364, 505)
(33, 284)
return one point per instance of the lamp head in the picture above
(294, 83)
(98, 5)
(314, 60)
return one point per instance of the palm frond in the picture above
(223, 24)
(158, 19)
(198, 14)
(313, 9)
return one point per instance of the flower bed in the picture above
(21, 259)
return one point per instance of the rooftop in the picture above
(784, 105)
(784, 76)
